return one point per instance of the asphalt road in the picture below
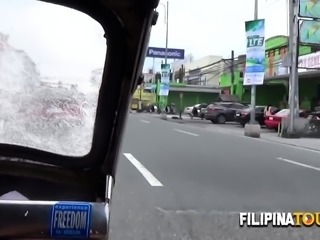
(177, 181)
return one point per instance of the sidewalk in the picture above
(309, 143)
(269, 135)
(235, 129)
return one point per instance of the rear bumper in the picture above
(271, 124)
(246, 119)
(241, 119)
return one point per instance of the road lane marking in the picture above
(299, 164)
(144, 121)
(223, 131)
(147, 175)
(266, 140)
(189, 133)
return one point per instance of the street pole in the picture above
(232, 71)
(293, 51)
(167, 31)
(253, 87)
(288, 17)
(164, 98)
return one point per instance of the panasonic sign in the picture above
(161, 53)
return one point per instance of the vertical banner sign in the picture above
(255, 55)
(165, 77)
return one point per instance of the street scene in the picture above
(221, 135)
(188, 136)
(190, 181)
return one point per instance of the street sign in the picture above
(172, 53)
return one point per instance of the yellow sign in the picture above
(279, 219)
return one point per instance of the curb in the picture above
(224, 131)
(278, 142)
(291, 144)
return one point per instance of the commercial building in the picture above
(276, 84)
(202, 72)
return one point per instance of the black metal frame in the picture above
(89, 178)
(123, 66)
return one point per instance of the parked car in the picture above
(274, 121)
(199, 110)
(222, 112)
(243, 116)
(151, 107)
(171, 109)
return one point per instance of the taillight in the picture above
(275, 118)
(244, 113)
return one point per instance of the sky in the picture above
(69, 48)
(214, 27)
(202, 27)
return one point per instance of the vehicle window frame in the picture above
(239, 106)
(203, 105)
(260, 109)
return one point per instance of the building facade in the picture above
(204, 72)
(275, 88)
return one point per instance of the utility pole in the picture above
(167, 31)
(253, 87)
(163, 99)
(232, 71)
(293, 53)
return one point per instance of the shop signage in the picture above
(310, 61)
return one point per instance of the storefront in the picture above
(275, 88)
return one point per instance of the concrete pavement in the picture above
(236, 129)
(178, 181)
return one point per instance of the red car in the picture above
(275, 120)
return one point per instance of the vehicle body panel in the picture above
(275, 120)
(243, 116)
(225, 109)
(200, 110)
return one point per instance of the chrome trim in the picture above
(32, 219)
(109, 187)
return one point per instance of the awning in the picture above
(309, 74)
(196, 90)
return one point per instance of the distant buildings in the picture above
(202, 72)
